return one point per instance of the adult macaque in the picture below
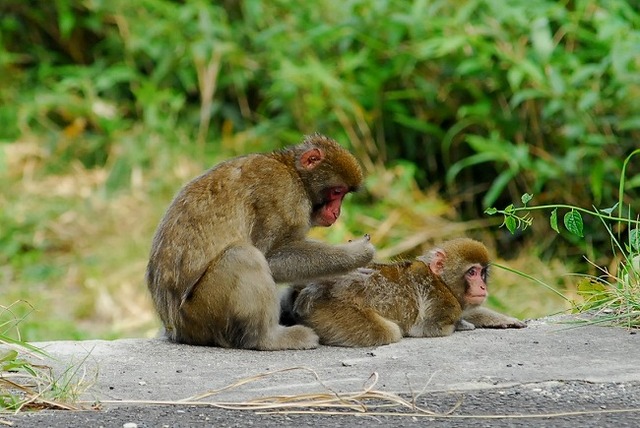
(235, 231)
(430, 296)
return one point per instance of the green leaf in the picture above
(498, 185)
(526, 198)
(541, 38)
(556, 80)
(491, 211)
(66, 18)
(629, 123)
(418, 124)
(525, 94)
(510, 209)
(554, 220)
(10, 355)
(608, 211)
(533, 70)
(588, 100)
(469, 161)
(573, 222)
(634, 239)
(510, 222)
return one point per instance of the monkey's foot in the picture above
(294, 337)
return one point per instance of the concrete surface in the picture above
(546, 354)
(155, 369)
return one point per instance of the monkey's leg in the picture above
(237, 305)
(434, 328)
(340, 324)
(442, 316)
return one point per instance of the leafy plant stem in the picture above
(569, 207)
(622, 183)
(531, 278)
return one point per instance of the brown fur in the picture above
(395, 300)
(230, 234)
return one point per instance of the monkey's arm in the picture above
(305, 260)
(482, 317)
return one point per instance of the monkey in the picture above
(431, 296)
(234, 232)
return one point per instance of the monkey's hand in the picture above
(482, 317)
(366, 236)
(512, 323)
(366, 271)
(502, 321)
(362, 250)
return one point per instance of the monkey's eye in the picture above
(337, 192)
(474, 271)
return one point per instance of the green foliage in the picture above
(509, 96)
(615, 296)
(573, 221)
(486, 99)
(25, 385)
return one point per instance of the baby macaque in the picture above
(433, 295)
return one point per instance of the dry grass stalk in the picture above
(361, 402)
(368, 402)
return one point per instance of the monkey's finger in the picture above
(367, 237)
(365, 271)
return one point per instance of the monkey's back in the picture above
(219, 208)
(406, 292)
(361, 309)
(396, 291)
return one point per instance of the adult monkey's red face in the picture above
(328, 172)
(327, 213)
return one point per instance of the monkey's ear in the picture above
(311, 158)
(437, 258)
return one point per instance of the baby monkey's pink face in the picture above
(476, 292)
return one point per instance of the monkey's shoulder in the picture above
(255, 189)
(391, 268)
(402, 270)
(248, 169)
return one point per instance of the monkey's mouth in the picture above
(325, 214)
(476, 298)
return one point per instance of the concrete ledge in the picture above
(548, 350)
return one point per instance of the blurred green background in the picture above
(108, 106)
